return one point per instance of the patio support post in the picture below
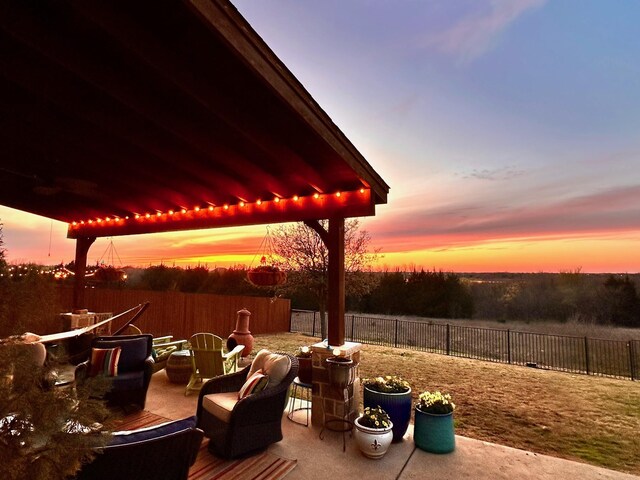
(82, 248)
(336, 325)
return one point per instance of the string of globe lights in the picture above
(209, 210)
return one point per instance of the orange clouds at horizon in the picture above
(27, 239)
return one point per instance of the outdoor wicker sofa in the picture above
(160, 452)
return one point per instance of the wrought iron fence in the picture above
(591, 356)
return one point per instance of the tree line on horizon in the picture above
(589, 298)
(607, 299)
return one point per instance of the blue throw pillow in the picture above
(125, 437)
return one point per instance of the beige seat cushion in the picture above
(220, 405)
(274, 365)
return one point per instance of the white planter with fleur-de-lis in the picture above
(373, 442)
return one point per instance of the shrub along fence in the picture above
(591, 356)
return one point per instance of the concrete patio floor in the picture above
(472, 459)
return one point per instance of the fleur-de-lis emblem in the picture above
(376, 445)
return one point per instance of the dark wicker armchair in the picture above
(254, 423)
(135, 368)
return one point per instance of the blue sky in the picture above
(508, 131)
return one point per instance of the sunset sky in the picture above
(508, 131)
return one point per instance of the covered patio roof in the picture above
(139, 117)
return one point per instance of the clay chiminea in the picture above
(241, 335)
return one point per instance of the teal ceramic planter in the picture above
(397, 405)
(434, 433)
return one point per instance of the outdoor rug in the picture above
(263, 466)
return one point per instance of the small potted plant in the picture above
(266, 275)
(433, 429)
(393, 394)
(373, 432)
(303, 354)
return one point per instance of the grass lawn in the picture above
(584, 418)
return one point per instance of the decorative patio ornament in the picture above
(266, 274)
(433, 430)
(373, 432)
(341, 371)
(241, 335)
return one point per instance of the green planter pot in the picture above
(434, 433)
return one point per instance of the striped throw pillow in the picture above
(254, 384)
(104, 361)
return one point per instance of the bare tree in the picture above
(299, 250)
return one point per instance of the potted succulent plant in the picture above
(393, 394)
(433, 429)
(303, 354)
(373, 432)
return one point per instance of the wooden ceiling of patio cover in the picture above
(175, 112)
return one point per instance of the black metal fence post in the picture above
(448, 339)
(353, 321)
(509, 346)
(586, 353)
(632, 359)
(313, 332)
(395, 342)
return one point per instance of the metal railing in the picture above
(590, 356)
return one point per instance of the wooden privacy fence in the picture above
(591, 356)
(183, 314)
